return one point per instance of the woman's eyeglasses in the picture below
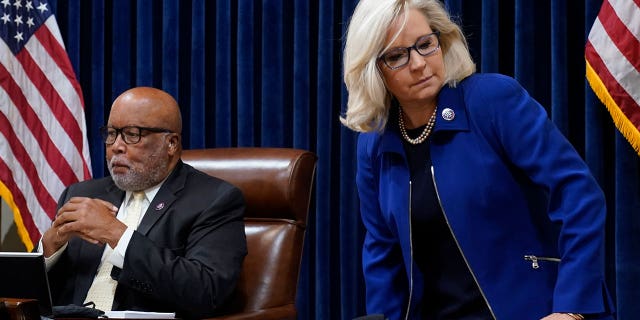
(397, 58)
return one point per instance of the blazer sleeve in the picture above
(534, 144)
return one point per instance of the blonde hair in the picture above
(369, 101)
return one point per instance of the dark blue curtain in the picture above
(268, 73)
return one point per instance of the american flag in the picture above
(612, 54)
(43, 143)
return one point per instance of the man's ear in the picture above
(173, 143)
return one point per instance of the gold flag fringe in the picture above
(22, 230)
(624, 125)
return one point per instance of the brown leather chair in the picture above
(19, 309)
(277, 185)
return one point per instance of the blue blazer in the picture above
(523, 207)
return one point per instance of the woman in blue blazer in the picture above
(475, 205)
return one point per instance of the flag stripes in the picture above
(612, 56)
(43, 144)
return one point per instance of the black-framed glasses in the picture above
(129, 134)
(397, 58)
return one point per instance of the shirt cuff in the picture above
(117, 256)
(51, 260)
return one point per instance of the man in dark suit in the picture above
(182, 254)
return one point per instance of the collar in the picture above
(452, 111)
(452, 116)
(149, 193)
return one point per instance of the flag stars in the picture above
(19, 19)
(42, 7)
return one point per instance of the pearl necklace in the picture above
(425, 133)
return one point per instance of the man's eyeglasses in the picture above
(130, 134)
(399, 57)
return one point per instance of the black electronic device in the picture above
(23, 275)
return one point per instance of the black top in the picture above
(450, 292)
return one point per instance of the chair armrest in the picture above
(287, 312)
(16, 309)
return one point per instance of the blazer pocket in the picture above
(536, 260)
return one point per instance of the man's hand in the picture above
(93, 220)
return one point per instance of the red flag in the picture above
(612, 54)
(43, 144)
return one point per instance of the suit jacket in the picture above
(185, 256)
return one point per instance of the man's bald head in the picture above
(153, 104)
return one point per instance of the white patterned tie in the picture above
(103, 287)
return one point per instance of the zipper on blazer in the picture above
(435, 186)
(534, 260)
(406, 315)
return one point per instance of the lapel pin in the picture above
(448, 114)
(159, 206)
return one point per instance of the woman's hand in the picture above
(560, 316)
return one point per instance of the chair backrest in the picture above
(277, 185)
